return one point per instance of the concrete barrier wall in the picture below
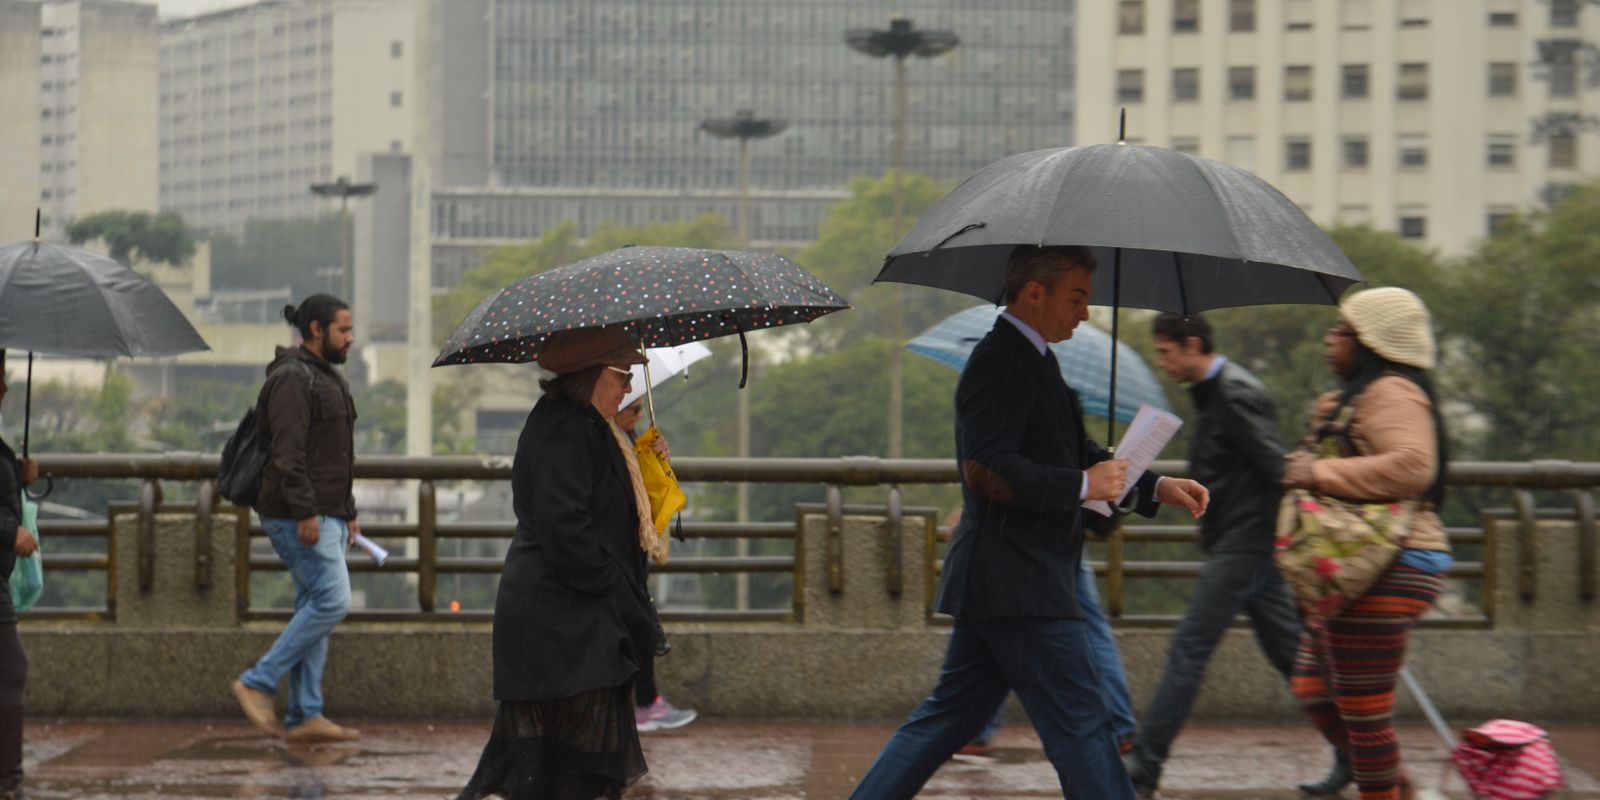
(860, 653)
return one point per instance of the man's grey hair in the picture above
(1043, 264)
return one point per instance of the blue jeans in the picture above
(321, 601)
(1107, 659)
(1229, 583)
(1048, 663)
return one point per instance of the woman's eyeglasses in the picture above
(627, 374)
(1341, 332)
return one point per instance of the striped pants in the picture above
(1345, 673)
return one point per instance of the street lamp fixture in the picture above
(344, 189)
(899, 41)
(744, 126)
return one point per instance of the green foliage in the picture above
(561, 246)
(381, 418)
(157, 238)
(1523, 317)
(849, 250)
(274, 253)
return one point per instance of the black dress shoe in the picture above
(1338, 778)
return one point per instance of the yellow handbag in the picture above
(666, 498)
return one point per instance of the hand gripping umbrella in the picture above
(69, 302)
(1181, 233)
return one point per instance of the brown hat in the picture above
(580, 348)
(1393, 323)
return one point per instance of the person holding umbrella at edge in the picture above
(15, 542)
(1027, 466)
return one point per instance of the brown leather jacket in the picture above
(1393, 426)
(312, 434)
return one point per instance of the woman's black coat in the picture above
(10, 519)
(567, 619)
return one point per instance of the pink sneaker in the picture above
(662, 716)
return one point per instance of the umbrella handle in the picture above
(744, 359)
(27, 406)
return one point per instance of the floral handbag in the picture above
(1332, 551)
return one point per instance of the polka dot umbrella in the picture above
(664, 296)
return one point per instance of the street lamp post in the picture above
(344, 189)
(743, 126)
(900, 40)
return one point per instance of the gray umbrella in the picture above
(1193, 234)
(69, 302)
(1179, 232)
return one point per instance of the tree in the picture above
(278, 253)
(849, 250)
(1522, 316)
(560, 246)
(159, 238)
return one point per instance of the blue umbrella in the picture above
(1085, 361)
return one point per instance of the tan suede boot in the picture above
(257, 707)
(321, 730)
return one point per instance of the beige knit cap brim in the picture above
(1393, 323)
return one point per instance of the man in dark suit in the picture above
(1010, 577)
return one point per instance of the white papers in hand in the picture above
(373, 549)
(1147, 436)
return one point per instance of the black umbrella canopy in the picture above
(1194, 234)
(69, 302)
(665, 296)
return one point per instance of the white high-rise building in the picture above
(78, 82)
(260, 102)
(1427, 117)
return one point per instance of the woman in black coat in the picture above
(571, 622)
(15, 541)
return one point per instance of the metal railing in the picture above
(1578, 479)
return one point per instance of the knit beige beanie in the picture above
(1393, 323)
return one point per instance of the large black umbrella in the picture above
(664, 296)
(69, 302)
(1180, 233)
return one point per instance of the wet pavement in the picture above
(711, 759)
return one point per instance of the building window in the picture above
(1186, 144)
(394, 145)
(1241, 152)
(1413, 225)
(1241, 83)
(1503, 80)
(1413, 151)
(1186, 84)
(1130, 85)
(1563, 150)
(1296, 154)
(1563, 78)
(1353, 81)
(1355, 15)
(1297, 83)
(1353, 152)
(1502, 150)
(1185, 16)
(396, 49)
(1496, 218)
(1563, 13)
(1297, 15)
(394, 99)
(1413, 13)
(1241, 15)
(1413, 83)
(1502, 19)
(1130, 17)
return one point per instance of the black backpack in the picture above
(244, 457)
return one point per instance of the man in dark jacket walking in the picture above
(308, 511)
(1237, 455)
(1010, 578)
